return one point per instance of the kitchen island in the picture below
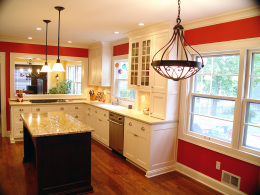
(60, 148)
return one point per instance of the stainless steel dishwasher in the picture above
(116, 132)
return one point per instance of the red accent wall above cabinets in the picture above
(229, 31)
(122, 49)
(40, 49)
(204, 161)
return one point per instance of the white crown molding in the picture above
(223, 18)
(206, 180)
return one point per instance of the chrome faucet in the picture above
(116, 102)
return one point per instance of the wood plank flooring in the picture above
(111, 174)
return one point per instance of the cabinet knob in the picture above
(76, 116)
(20, 110)
(61, 108)
(95, 111)
(135, 135)
(130, 124)
(38, 109)
(21, 131)
(99, 119)
(143, 128)
(20, 119)
(105, 114)
(76, 108)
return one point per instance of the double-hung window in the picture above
(212, 98)
(251, 119)
(74, 75)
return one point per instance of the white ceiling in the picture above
(86, 21)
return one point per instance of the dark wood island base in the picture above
(62, 162)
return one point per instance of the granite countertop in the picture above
(131, 113)
(53, 123)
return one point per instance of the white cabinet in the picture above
(98, 119)
(136, 142)
(140, 64)
(17, 122)
(151, 146)
(100, 64)
(75, 110)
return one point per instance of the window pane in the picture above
(251, 137)
(219, 75)
(216, 85)
(77, 88)
(255, 64)
(253, 114)
(78, 73)
(215, 128)
(122, 90)
(122, 70)
(71, 73)
(213, 107)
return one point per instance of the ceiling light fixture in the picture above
(58, 66)
(45, 67)
(29, 37)
(38, 28)
(177, 69)
(116, 32)
(69, 41)
(141, 24)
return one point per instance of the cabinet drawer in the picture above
(77, 115)
(138, 128)
(17, 119)
(21, 109)
(61, 108)
(18, 131)
(76, 107)
(103, 114)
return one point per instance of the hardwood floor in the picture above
(111, 174)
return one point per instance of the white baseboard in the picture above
(160, 171)
(206, 180)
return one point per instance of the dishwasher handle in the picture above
(115, 122)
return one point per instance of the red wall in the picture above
(8, 47)
(121, 49)
(202, 159)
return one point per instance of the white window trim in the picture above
(233, 150)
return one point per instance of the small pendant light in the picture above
(58, 66)
(45, 67)
(177, 69)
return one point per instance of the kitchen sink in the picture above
(110, 106)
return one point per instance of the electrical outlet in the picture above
(143, 98)
(217, 165)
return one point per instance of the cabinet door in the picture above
(104, 128)
(98, 66)
(134, 68)
(142, 153)
(145, 63)
(92, 67)
(158, 105)
(159, 83)
(130, 145)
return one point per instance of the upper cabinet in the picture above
(100, 64)
(140, 64)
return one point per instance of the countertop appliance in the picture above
(116, 132)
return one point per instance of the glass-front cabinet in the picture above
(140, 60)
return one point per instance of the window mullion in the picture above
(238, 103)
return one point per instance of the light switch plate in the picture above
(217, 165)
(143, 98)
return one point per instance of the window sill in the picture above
(232, 152)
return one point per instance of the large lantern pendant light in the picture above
(58, 66)
(177, 69)
(45, 67)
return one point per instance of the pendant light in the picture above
(45, 67)
(177, 69)
(58, 66)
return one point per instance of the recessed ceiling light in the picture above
(116, 32)
(69, 41)
(38, 28)
(141, 24)
(29, 37)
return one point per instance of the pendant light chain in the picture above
(59, 38)
(178, 20)
(46, 42)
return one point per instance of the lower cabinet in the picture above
(98, 119)
(151, 146)
(75, 110)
